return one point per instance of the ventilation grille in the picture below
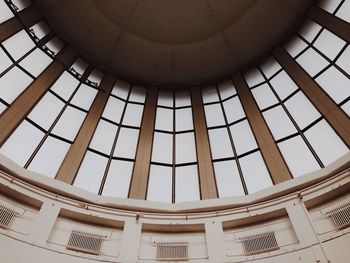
(6, 216)
(341, 216)
(85, 242)
(172, 251)
(259, 243)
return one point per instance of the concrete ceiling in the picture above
(173, 42)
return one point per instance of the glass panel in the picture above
(96, 76)
(214, 115)
(46, 111)
(243, 137)
(69, 123)
(309, 30)
(160, 184)
(126, 143)
(335, 84)
(226, 89)
(3, 107)
(49, 158)
(186, 184)
(344, 60)
(270, 66)
(5, 12)
(298, 156)
(118, 179)
(22, 143)
(103, 137)
(121, 89)
(80, 65)
(329, 44)
(312, 62)
(162, 148)
(283, 85)
(165, 98)
(279, 123)
(302, 110)
(295, 45)
(255, 172)
(185, 148)
(264, 96)
(65, 85)
(346, 108)
(253, 77)
(36, 62)
(344, 11)
(233, 109)
(138, 94)
(182, 98)
(164, 119)
(22, 4)
(91, 171)
(19, 44)
(326, 142)
(13, 83)
(5, 62)
(227, 179)
(40, 29)
(133, 115)
(55, 44)
(220, 143)
(183, 119)
(84, 97)
(113, 109)
(210, 94)
(329, 5)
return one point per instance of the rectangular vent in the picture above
(259, 243)
(341, 216)
(172, 251)
(85, 242)
(6, 216)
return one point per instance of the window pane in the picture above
(126, 143)
(133, 115)
(69, 123)
(5, 62)
(22, 4)
(183, 119)
(165, 98)
(312, 62)
(279, 123)
(19, 44)
(329, 5)
(344, 60)
(210, 94)
(326, 143)
(13, 83)
(22, 143)
(80, 65)
(226, 89)
(302, 110)
(283, 85)
(253, 77)
(233, 109)
(329, 44)
(40, 29)
(91, 171)
(55, 44)
(220, 143)
(36, 62)
(114, 109)
(298, 157)
(295, 45)
(84, 97)
(344, 11)
(243, 137)
(162, 148)
(335, 84)
(346, 108)
(96, 76)
(264, 96)
(65, 85)
(160, 184)
(118, 179)
(5, 12)
(182, 98)
(121, 89)
(103, 137)
(255, 172)
(227, 179)
(46, 111)
(49, 158)
(164, 119)
(270, 66)
(309, 30)
(214, 115)
(185, 148)
(3, 107)
(138, 94)
(186, 184)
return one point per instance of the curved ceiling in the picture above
(173, 42)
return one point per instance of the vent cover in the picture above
(259, 243)
(172, 251)
(85, 242)
(6, 216)
(341, 216)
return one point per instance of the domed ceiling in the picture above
(173, 42)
